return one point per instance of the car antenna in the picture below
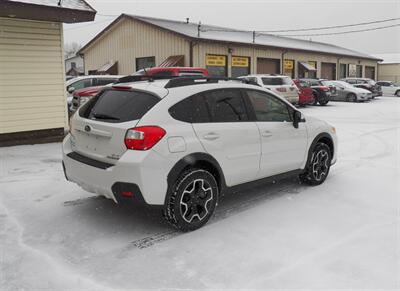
(150, 79)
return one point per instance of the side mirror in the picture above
(71, 90)
(297, 118)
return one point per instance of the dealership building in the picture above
(132, 42)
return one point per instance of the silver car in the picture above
(349, 93)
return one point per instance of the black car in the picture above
(365, 83)
(322, 93)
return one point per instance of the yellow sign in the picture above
(216, 61)
(313, 63)
(288, 65)
(240, 62)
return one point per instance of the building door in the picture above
(328, 71)
(370, 72)
(268, 66)
(240, 66)
(216, 65)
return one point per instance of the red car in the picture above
(306, 95)
(83, 95)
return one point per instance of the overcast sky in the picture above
(262, 15)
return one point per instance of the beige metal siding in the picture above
(389, 72)
(131, 39)
(32, 93)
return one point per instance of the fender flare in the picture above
(313, 144)
(191, 160)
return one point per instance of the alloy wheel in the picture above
(320, 164)
(194, 203)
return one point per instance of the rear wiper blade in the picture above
(104, 116)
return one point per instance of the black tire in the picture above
(192, 200)
(316, 97)
(351, 97)
(397, 93)
(323, 102)
(318, 166)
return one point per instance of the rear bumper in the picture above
(139, 171)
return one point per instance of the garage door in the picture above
(268, 66)
(370, 72)
(328, 71)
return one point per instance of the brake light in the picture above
(119, 87)
(325, 89)
(143, 138)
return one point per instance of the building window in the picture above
(359, 71)
(343, 71)
(240, 66)
(146, 62)
(288, 68)
(216, 65)
(73, 65)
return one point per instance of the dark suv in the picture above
(365, 83)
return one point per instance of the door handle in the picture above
(266, 133)
(211, 136)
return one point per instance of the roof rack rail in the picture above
(197, 80)
(138, 78)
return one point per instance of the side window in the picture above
(192, 109)
(103, 81)
(226, 105)
(81, 84)
(268, 108)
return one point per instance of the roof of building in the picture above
(68, 11)
(392, 58)
(229, 35)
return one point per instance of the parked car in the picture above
(87, 81)
(321, 92)
(279, 84)
(349, 93)
(180, 145)
(365, 83)
(389, 88)
(306, 95)
(83, 95)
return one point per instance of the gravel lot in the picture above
(344, 234)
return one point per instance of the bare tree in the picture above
(71, 48)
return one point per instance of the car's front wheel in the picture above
(398, 93)
(192, 200)
(319, 165)
(351, 98)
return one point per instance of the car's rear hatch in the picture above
(98, 129)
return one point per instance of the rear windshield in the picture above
(119, 106)
(276, 81)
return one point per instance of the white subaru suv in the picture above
(180, 144)
(279, 84)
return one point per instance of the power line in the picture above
(335, 26)
(343, 32)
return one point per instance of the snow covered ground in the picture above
(344, 234)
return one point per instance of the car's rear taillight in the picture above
(143, 138)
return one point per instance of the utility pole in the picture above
(198, 29)
(254, 36)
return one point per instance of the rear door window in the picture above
(226, 105)
(192, 109)
(119, 106)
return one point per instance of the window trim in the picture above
(254, 115)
